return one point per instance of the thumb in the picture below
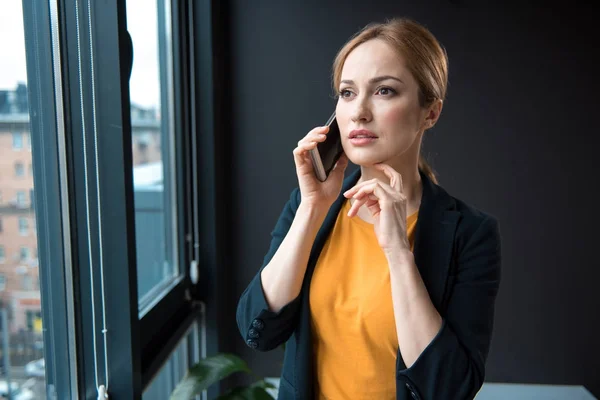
(341, 165)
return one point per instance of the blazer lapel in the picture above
(434, 238)
(331, 218)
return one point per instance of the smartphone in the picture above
(328, 152)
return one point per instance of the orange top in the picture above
(352, 317)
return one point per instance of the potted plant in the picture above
(211, 370)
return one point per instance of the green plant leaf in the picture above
(255, 391)
(207, 372)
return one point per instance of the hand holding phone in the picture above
(328, 152)
(315, 167)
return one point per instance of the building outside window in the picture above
(27, 282)
(24, 253)
(23, 226)
(21, 199)
(17, 141)
(19, 169)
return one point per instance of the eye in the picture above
(345, 93)
(386, 91)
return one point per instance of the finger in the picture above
(341, 165)
(317, 132)
(359, 203)
(316, 136)
(304, 148)
(301, 155)
(312, 138)
(373, 207)
(393, 175)
(350, 192)
(393, 193)
(318, 129)
(373, 189)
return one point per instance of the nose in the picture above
(362, 110)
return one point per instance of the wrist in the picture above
(311, 211)
(399, 256)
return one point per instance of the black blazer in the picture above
(457, 250)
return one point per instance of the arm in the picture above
(272, 297)
(417, 320)
(452, 364)
(282, 277)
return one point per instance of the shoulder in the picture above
(475, 226)
(471, 214)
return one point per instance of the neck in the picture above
(411, 182)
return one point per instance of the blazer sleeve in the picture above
(261, 328)
(452, 366)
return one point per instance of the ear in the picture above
(433, 113)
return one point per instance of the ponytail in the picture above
(426, 168)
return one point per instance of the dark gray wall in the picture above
(516, 138)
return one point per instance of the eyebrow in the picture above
(375, 80)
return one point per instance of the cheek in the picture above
(398, 118)
(342, 116)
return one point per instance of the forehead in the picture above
(373, 58)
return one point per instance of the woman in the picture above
(381, 285)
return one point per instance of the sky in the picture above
(12, 51)
(141, 23)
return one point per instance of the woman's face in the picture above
(378, 108)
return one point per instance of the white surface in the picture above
(504, 391)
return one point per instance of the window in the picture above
(23, 226)
(21, 199)
(27, 282)
(24, 253)
(19, 169)
(17, 141)
(151, 96)
(15, 255)
(86, 230)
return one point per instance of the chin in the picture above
(364, 159)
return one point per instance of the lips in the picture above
(362, 134)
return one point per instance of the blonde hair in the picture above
(425, 58)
